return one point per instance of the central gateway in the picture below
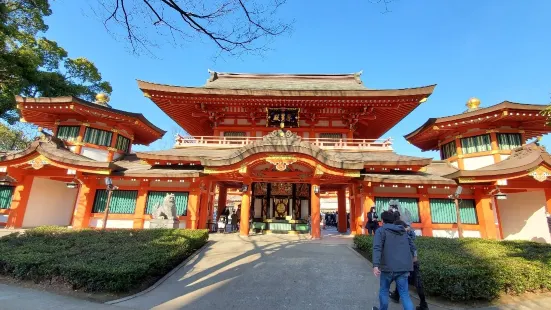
(280, 207)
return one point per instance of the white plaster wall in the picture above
(418, 232)
(95, 154)
(72, 148)
(452, 233)
(117, 156)
(523, 217)
(242, 121)
(50, 203)
(454, 163)
(3, 218)
(504, 157)
(473, 163)
(97, 223)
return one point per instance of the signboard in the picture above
(288, 116)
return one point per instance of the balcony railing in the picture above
(322, 143)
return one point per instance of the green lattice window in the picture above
(6, 193)
(442, 211)
(154, 198)
(123, 143)
(68, 133)
(122, 202)
(449, 150)
(98, 136)
(509, 141)
(476, 144)
(410, 205)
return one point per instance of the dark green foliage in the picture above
(95, 260)
(477, 269)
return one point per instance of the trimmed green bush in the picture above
(476, 269)
(93, 260)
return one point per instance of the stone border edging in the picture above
(163, 279)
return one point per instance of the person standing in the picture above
(393, 257)
(372, 221)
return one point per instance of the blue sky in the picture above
(494, 50)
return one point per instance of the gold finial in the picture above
(473, 104)
(102, 99)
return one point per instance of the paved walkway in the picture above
(268, 272)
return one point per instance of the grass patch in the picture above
(114, 261)
(476, 269)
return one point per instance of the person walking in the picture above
(393, 256)
(372, 221)
(414, 277)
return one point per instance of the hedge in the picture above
(476, 269)
(112, 261)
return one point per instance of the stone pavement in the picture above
(268, 272)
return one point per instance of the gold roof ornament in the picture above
(473, 104)
(102, 99)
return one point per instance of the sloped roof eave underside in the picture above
(426, 136)
(42, 117)
(390, 106)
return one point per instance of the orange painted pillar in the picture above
(341, 197)
(369, 201)
(245, 211)
(206, 199)
(495, 147)
(19, 202)
(459, 151)
(191, 221)
(353, 190)
(358, 212)
(141, 202)
(85, 203)
(548, 200)
(424, 212)
(80, 138)
(315, 217)
(485, 214)
(222, 200)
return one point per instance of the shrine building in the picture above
(279, 145)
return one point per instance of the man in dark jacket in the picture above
(393, 257)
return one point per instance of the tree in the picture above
(16, 137)
(234, 26)
(31, 65)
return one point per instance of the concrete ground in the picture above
(267, 272)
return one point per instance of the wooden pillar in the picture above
(358, 211)
(485, 214)
(424, 212)
(19, 201)
(204, 206)
(112, 146)
(141, 202)
(341, 197)
(191, 221)
(495, 147)
(459, 151)
(85, 203)
(245, 211)
(522, 137)
(315, 217)
(80, 138)
(354, 201)
(222, 200)
(548, 200)
(369, 201)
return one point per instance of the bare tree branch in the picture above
(234, 26)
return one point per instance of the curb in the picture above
(163, 279)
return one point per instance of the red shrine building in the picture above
(283, 144)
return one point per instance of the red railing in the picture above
(323, 143)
